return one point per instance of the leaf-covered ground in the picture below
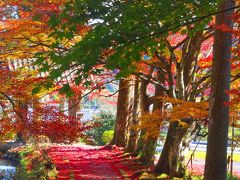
(101, 163)
(88, 162)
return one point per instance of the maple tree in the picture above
(24, 34)
(107, 38)
(25, 113)
(178, 75)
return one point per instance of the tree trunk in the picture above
(168, 161)
(74, 105)
(141, 141)
(147, 156)
(216, 158)
(144, 109)
(184, 148)
(134, 134)
(24, 118)
(124, 113)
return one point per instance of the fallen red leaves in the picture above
(109, 162)
(88, 162)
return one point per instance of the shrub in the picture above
(35, 164)
(229, 177)
(107, 136)
(106, 122)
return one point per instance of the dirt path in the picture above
(85, 162)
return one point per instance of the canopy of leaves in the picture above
(121, 30)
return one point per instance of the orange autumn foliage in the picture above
(152, 121)
(185, 109)
(180, 110)
(24, 29)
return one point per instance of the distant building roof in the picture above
(88, 114)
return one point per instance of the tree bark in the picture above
(124, 113)
(168, 161)
(74, 105)
(216, 158)
(144, 109)
(147, 156)
(134, 134)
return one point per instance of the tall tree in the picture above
(124, 112)
(216, 158)
(137, 106)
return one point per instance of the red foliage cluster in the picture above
(48, 122)
(60, 130)
(25, 113)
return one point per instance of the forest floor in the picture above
(89, 162)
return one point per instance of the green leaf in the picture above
(66, 89)
(37, 17)
(54, 74)
(45, 67)
(36, 90)
(54, 21)
(78, 80)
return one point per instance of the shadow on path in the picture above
(86, 162)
